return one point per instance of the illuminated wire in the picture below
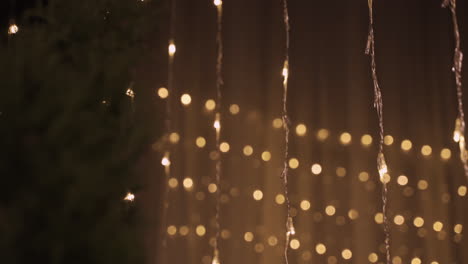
(378, 104)
(290, 230)
(459, 133)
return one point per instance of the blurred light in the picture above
(266, 156)
(210, 104)
(347, 254)
(353, 214)
(305, 205)
(200, 142)
(224, 147)
(422, 184)
(130, 197)
(272, 241)
(234, 109)
(445, 154)
(290, 227)
(345, 138)
(457, 131)
(388, 140)
(416, 260)
(212, 188)
(373, 258)
(399, 220)
(363, 176)
(174, 138)
(402, 180)
(188, 183)
(320, 249)
(277, 123)
(382, 166)
(165, 162)
(378, 218)
(418, 221)
(173, 182)
(248, 150)
(259, 247)
(406, 145)
(171, 230)
(301, 130)
(316, 169)
(386, 178)
(217, 123)
(279, 199)
(322, 134)
(183, 230)
(397, 260)
(200, 230)
(13, 29)
(437, 226)
(293, 163)
(218, 2)
(295, 244)
(130, 93)
(186, 99)
(462, 190)
(458, 228)
(366, 140)
(172, 49)
(340, 172)
(248, 236)
(257, 195)
(330, 210)
(426, 150)
(163, 92)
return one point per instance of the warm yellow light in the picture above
(378, 218)
(457, 131)
(163, 92)
(437, 226)
(301, 130)
(224, 147)
(200, 230)
(305, 205)
(130, 93)
(171, 230)
(426, 150)
(423, 184)
(373, 258)
(272, 241)
(293, 163)
(353, 214)
(416, 260)
(218, 2)
(13, 29)
(174, 138)
(399, 220)
(257, 195)
(165, 162)
(366, 140)
(382, 166)
(234, 109)
(347, 254)
(340, 172)
(345, 138)
(445, 154)
(406, 145)
(462, 190)
(418, 221)
(320, 249)
(200, 142)
(217, 125)
(396, 260)
(386, 178)
(266, 156)
(130, 197)
(295, 244)
(210, 104)
(248, 236)
(183, 230)
(290, 227)
(173, 183)
(279, 199)
(322, 134)
(458, 228)
(215, 257)
(402, 180)
(248, 150)
(316, 169)
(188, 183)
(212, 188)
(363, 176)
(277, 123)
(330, 210)
(186, 99)
(172, 49)
(388, 140)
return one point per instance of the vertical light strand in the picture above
(166, 162)
(217, 125)
(290, 230)
(459, 132)
(378, 104)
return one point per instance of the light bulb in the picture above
(285, 72)
(13, 29)
(457, 131)
(165, 161)
(172, 49)
(130, 93)
(217, 123)
(382, 165)
(290, 227)
(130, 197)
(216, 257)
(218, 2)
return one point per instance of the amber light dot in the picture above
(305, 205)
(322, 134)
(402, 180)
(345, 138)
(210, 105)
(200, 142)
(388, 140)
(234, 109)
(295, 244)
(462, 190)
(248, 150)
(316, 169)
(277, 123)
(173, 182)
(200, 230)
(163, 93)
(301, 130)
(293, 163)
(171, 230)
(248, 236)
(188, 183)
(224, 147)
(445, 154)
(363, 176)
(320, 249)
(373, 258)
(266, 156)
(347, 254)
(426, 150)
(366, 140)
(418, 221)
(330, 210)
(437, 226)
(399, 220)
(257, 195)
(406, 145)
(186, 99)
(279, 199)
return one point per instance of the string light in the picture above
(172, 49)
(130, 197)
(13, 29)
(378, 104)
(163, 92)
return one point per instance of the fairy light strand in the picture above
(459, 132)
(290, 230)
(217, 125)
(378, 104)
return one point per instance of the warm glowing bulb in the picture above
(320, 249)
(163, 92)
(218, 2)
(215, 257)
(200, 142)
(186, 99)
(210, 104)
(457, 131)
(290, 227)
(172, 49)
(285, 72)
(316, 169)
(165, 162)
(301, 130)
(217, 123)
(130, 93)
(130, 197)
(257, 195)
(234, 109)
(13, 29)
(382, 165)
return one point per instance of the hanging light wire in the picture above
(378, 104)
(290, 230)
(217, 125)
(459, 132)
